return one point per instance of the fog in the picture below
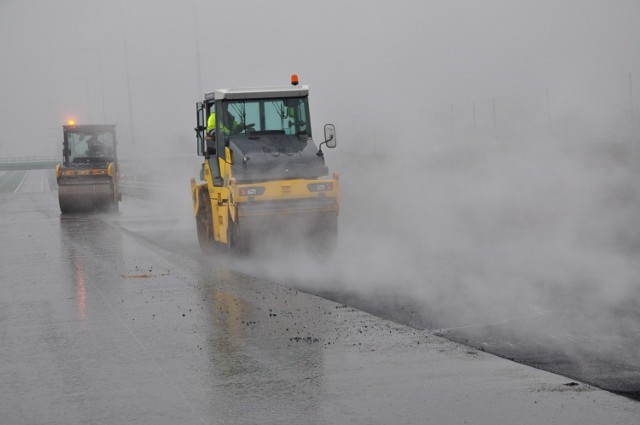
(488, 151)
(412, 72)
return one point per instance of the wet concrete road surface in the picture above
(100, 324)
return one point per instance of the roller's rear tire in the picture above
(204, 228)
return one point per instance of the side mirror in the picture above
(330, 135)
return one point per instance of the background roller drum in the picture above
(86, 198)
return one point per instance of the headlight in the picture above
(251, 191)
(320, 187)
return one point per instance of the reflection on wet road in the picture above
(24, 181)
(103, 320)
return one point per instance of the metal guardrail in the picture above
(30, 159)
(28, 163)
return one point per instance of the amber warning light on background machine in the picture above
(294, 79)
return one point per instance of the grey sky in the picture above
(420, 64)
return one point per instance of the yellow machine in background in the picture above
(263, 177)
(88, 176)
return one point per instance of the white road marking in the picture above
(21, 181)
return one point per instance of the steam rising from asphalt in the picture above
(473, 235)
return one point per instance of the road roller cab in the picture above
(88, 175)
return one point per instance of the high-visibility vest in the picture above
(211, 122)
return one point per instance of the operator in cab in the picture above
(211, 126)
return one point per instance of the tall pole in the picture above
(548, 113)
(198, 66)
(475, 124)
(632, 118)
(86, 96)
(104, 115)
(495, 119)
(126, 66)
(631, 102)
(453, 126)
(631, 108)
(101, 78)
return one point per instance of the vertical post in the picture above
(101, 78)
(453, 126)
(495, 119)
(374, 136)
(86, 96)
(475, 126)
(126, 65)
(104, 119)
(548, 113)
(198, 65)
(632, 123)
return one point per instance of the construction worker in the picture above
(96, 147)
(211, 125)
(231, 126)
(295, 125)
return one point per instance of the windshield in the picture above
(267, 116)
(88, 146)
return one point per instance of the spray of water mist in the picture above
(470, 236)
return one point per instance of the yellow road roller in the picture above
(88, 175)
(263, 178)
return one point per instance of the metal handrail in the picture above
(29, 159)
